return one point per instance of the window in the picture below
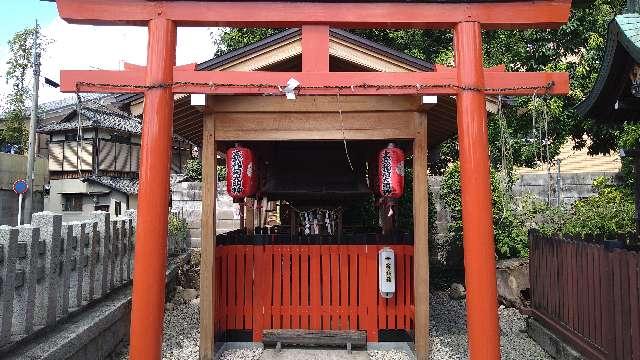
(101, 208)
(72, 202)
(117, 208)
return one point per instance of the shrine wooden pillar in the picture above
(150, 261)
(421, 238)
(208, 243)
(477, 219)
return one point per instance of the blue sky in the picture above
(16, 15)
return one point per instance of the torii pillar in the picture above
(161, 78)
(150, 261)
(475, 183)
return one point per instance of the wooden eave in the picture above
(621, 54)
(282, 52)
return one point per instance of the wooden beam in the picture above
(314, 126)
(421, 238)
(208, 243)
(282, 14)
(315, 83)
(249, 220)
(305, 104)
(315, 48)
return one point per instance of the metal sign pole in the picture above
(19, 209)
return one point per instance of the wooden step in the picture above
(337, 338)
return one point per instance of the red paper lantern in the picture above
(241, 176)
(391, 172)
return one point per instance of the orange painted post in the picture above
(151, 248)
(479, 253)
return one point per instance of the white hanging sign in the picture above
(387, 272)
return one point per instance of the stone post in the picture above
(113, 282)
(104, 252)
(79, 236)
(9, 243)
(94, 258)
(50, 225)
(65, 289)
(25, 301)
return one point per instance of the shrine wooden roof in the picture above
(611, 100)
(282, 52)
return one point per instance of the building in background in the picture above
(93, 155)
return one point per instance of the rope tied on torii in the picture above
(419, 88)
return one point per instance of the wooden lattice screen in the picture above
(328, 287)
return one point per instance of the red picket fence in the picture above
(317, 287)
(588, 295)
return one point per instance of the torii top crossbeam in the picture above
(468, 81)
(542, 13)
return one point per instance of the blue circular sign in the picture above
(20, 186)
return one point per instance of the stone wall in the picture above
(570, 187)
(573, 186)
(50, 269)
(186, 200)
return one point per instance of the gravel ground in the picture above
(447, 330)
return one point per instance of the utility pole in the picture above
(28, 205)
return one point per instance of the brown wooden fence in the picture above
(588, 295)
(317, 287)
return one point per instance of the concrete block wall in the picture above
(572, 186)
(50, 269)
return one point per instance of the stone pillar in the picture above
(125, 251)
(9, 244)
(50, 225)
(104, 252)
(113, 280)
(94, 252)
(25, 300)
(65, 289)
(80, 238)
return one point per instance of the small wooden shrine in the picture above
(238, 112)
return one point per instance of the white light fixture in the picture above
(429, 99)
(198, 99)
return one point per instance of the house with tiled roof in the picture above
(93, 152)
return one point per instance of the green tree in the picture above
(19, 66)
(510, 228)
(576, 47)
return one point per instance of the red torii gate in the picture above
(468, 81)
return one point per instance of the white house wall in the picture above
(75, 186)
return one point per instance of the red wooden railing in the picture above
(328, 287)
(588, 295)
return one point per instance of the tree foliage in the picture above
(19, 66)
(509, 226)
(610, 213)
(576, 47)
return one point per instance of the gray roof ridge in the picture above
(291, 33)
(122, 184)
